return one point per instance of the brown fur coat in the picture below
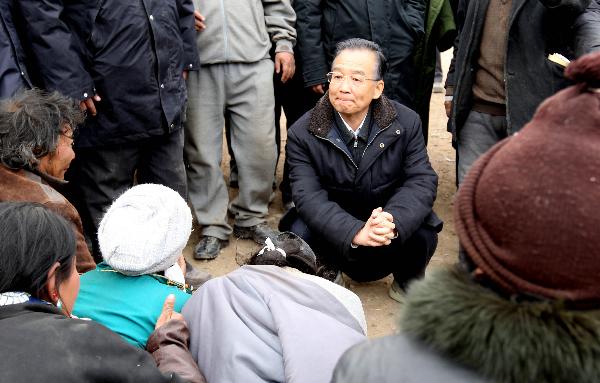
(25, 186)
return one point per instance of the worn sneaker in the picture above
(438, 87)
(209, 247)
(397, 292)
(195, 277)
(258, 233)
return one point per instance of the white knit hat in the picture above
(145, 230)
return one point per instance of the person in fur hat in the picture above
(273, 320)
(524, 304)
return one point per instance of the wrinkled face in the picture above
(69, 288)
(351, 98)
(57, 163)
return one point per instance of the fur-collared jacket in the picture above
(335, 197)
(25, 186)
(455, 330)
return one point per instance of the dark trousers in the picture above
(439, 75)
(295, 100)
(406, 261)
(99, 175)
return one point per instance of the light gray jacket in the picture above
(263, 324)
(241, 31)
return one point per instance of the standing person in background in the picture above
(14, 75)
(501, 69)
(235, 79)
(126, 63)
(440, 32)
(295, 100)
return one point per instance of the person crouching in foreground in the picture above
(273, 320)
(41, 343)
(141, 238)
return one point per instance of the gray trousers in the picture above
(480, 132)
(243, 91)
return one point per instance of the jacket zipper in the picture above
(346, 154)
(338, 148)
(373, 139)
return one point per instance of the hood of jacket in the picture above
(322, 117)
(504, 340)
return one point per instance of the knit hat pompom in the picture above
(145, 230)
(585, 70)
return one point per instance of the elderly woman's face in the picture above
(57, 163)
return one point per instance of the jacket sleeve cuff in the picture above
(191, 64)
(284, 46)
(80, 94)
(347, 244)
(168, 345)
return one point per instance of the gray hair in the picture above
(356, 43)
(30, 125)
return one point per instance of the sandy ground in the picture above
(381, 311)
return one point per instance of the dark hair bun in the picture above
(297, 254)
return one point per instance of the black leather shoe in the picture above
(195, 277)
(258, 233)
(209, 248)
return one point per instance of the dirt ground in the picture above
(381, 311)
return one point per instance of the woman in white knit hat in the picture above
(141, 238)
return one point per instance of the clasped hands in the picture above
(378, 231)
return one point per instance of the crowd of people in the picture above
(112, 118)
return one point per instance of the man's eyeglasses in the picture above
(337, 78)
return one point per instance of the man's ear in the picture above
(51, 291)
(378, 89)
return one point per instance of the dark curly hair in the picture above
(30, 126)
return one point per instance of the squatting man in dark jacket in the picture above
(360, 175)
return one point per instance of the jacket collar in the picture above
(502, 339)
(322, 117)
